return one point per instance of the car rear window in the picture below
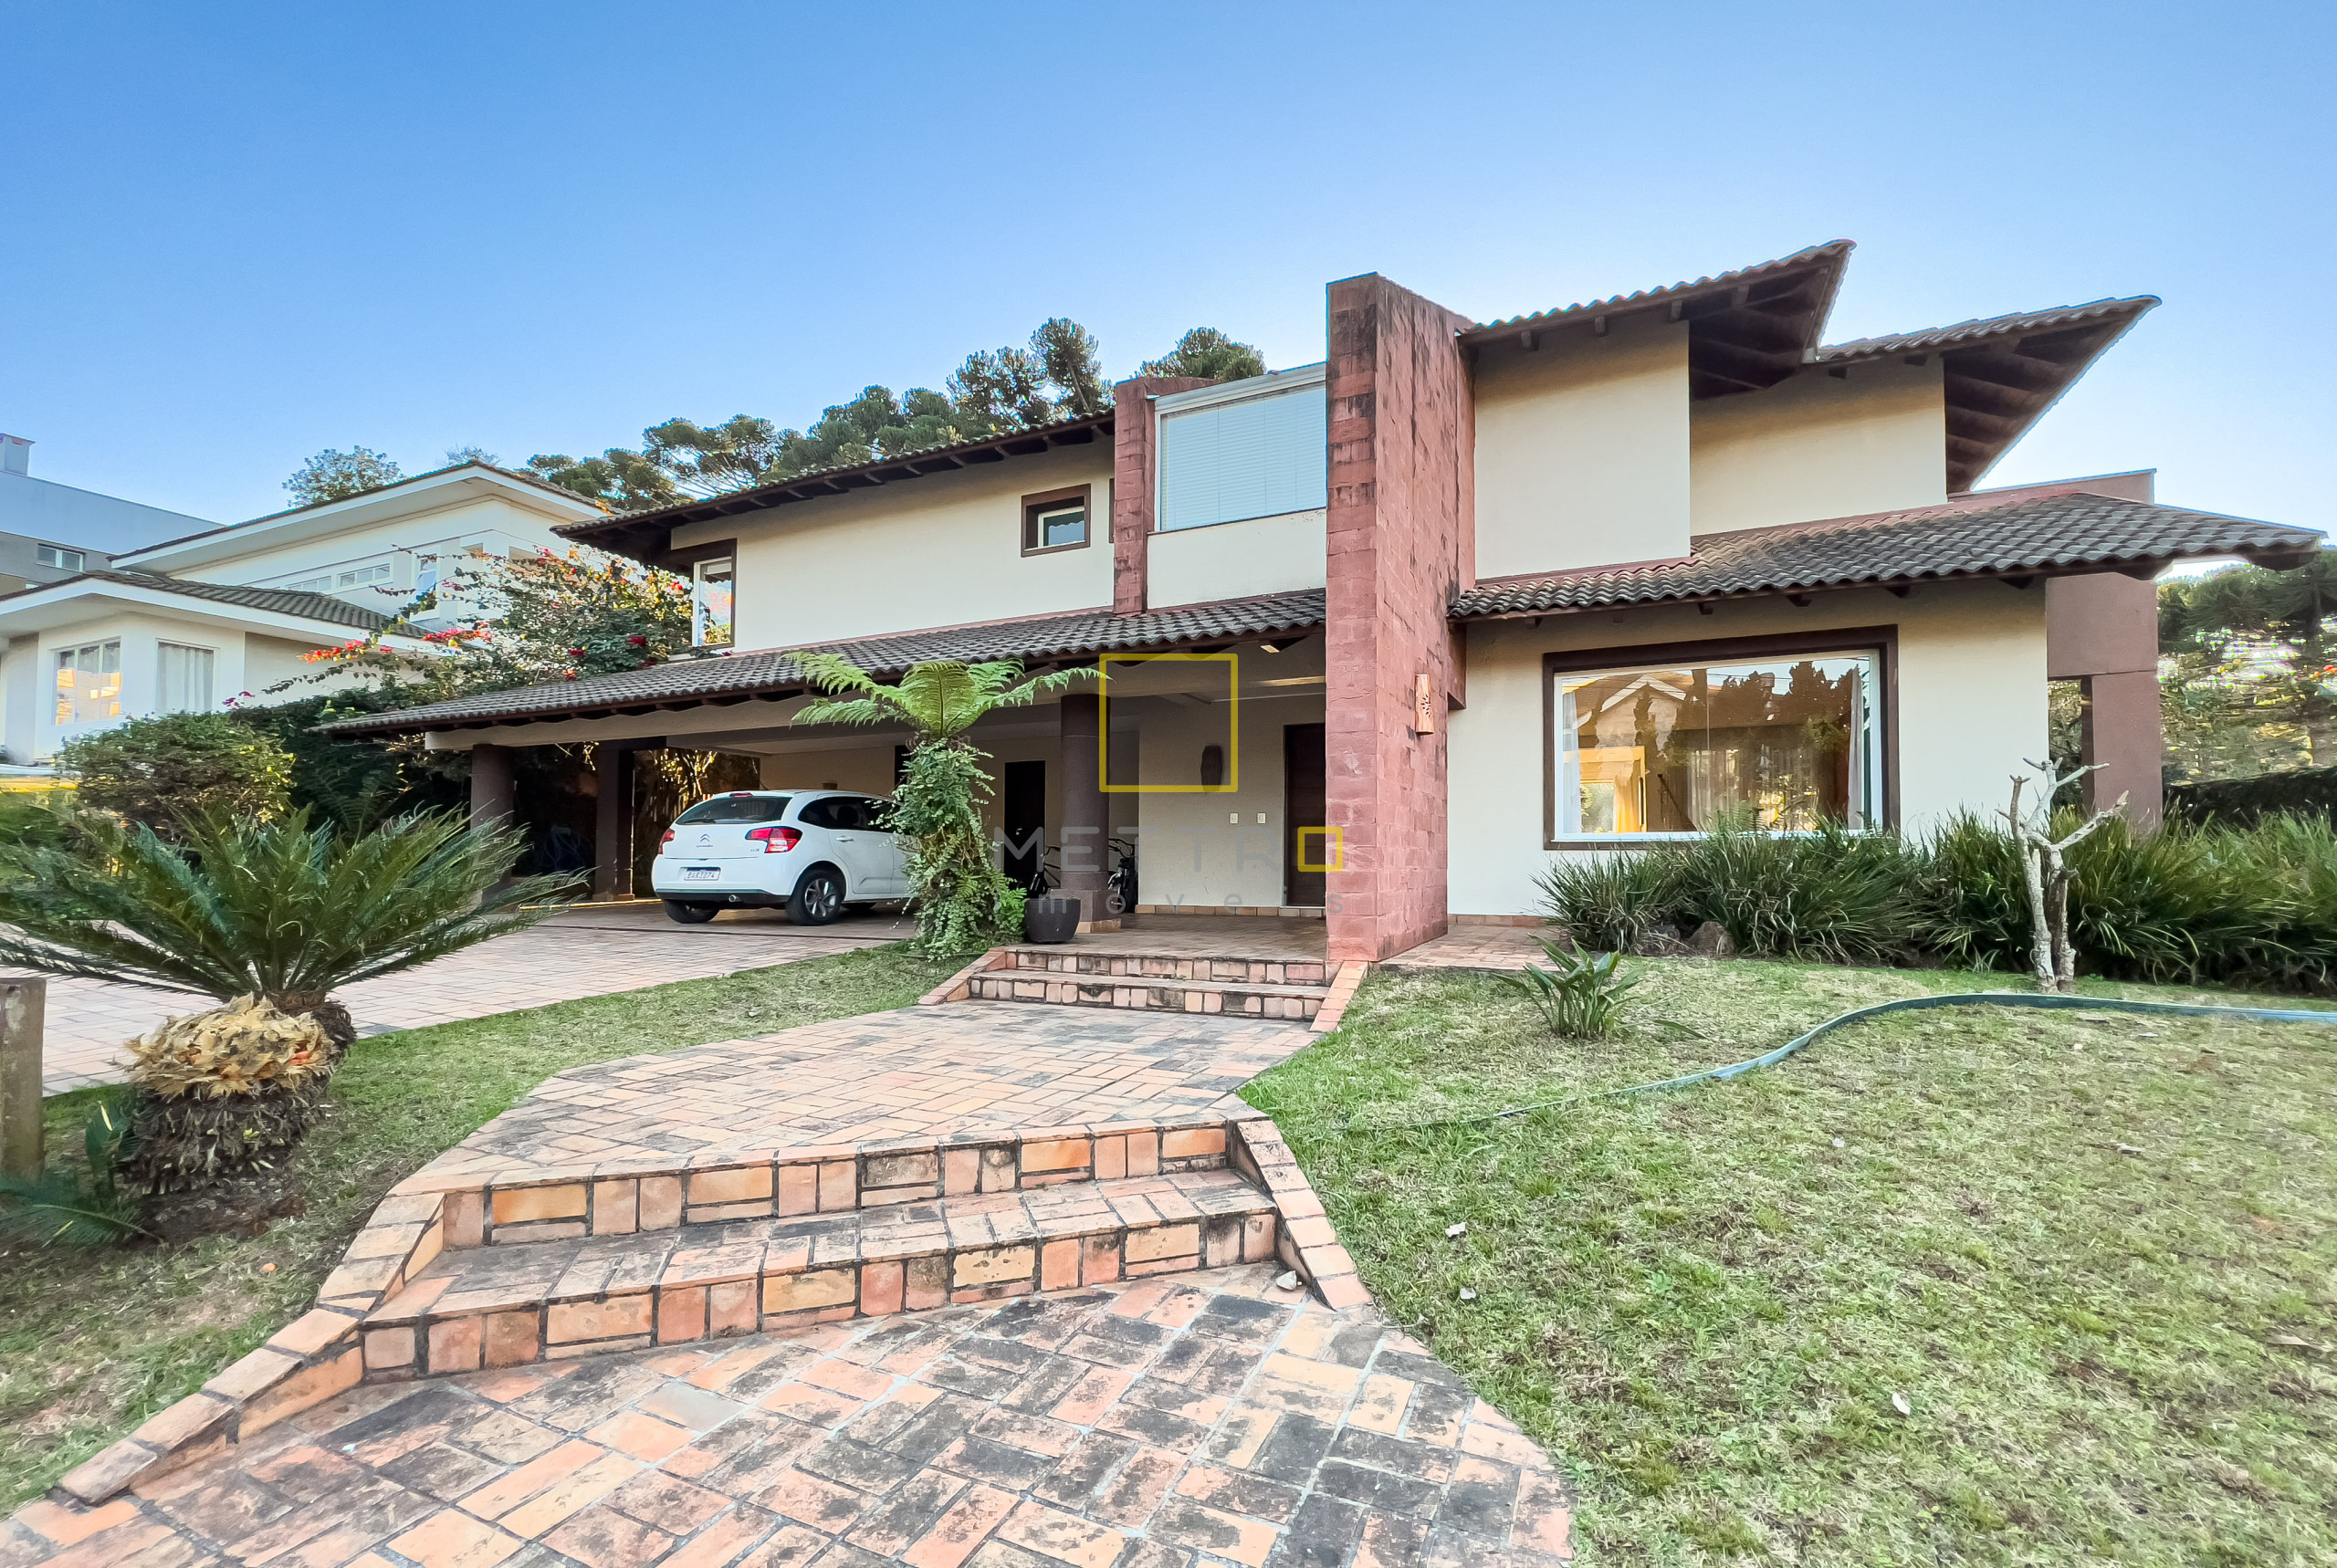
(735, 808)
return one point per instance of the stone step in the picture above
(504, 1306)
(1223, 966)
(1233, 998)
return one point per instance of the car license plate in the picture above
(702, 873)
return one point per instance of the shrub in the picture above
(63, 1206)
(1833, 894)
(161, 770)
(1609, 901)
(1580, 996)
(2255, 904)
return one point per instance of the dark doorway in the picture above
(1026, 813)
(1303, 808)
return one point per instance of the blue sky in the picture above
(236, 235)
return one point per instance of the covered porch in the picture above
(1203, 765)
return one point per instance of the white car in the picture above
(810, 852)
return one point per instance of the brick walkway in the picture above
(586, 953)
(919, 1072)
(1214, 1420)
(1476, 947)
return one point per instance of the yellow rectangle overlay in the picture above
(1334, 849)
(1232, 663)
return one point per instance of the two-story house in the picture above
(1469, 595)
(223, 614)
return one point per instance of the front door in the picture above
(1302, 807)
(1025, 809)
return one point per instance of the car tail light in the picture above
(667, 840)
(775, 841)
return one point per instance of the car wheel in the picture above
(690, 913)
(818, 897)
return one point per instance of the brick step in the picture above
(503, 1306)
(1068, 961)
(1242, 998)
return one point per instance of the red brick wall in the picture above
(1132, 472)
(1401, 525)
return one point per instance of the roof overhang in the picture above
(1975, 538)
(424, 493)
(81, 601)
(2001, 374)
(1054, 642)
(647, 535)
(1747, 329)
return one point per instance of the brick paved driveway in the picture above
(1214, 1420)
(585, 953)
(913, 1073)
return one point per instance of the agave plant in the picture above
(277, 909)
(1581, 995)
(961, 898)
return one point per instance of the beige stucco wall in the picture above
(1582, 449)
(1197, 849)
(1874, 440)
(943, 551)
(1971, 707)
(1229, 560)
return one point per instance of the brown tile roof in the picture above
(1966, 333)
(1830, 258)
(2051, 536)
(321, 607)
(737, 677)
(644, 535)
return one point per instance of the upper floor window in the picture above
(713, 603)
(1056, 519)
(58, 558)
(89, 682)
(1778, 742)
(1257, 448)
(346, 577)
(182, 678)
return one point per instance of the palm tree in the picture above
(961, 897)
(274, 908)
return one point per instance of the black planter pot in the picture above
(1051, 919)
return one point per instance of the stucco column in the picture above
(612, 822)
(1085, 850)
(492, 798)
(2124, 732)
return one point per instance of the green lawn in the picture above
(92, 1342)
(2096, 1255)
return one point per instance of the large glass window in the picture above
(1781, 744)
(88, 683)
(712, 603)
(182, 678)
(1248, 457)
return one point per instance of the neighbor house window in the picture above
(182, 678)
(1780, 742)
(1055, 520)
(59, 558)
(88, 683)
(713, 603)
(1257, 448)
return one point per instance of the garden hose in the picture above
(1906, 1004)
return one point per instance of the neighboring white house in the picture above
(224, 613)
